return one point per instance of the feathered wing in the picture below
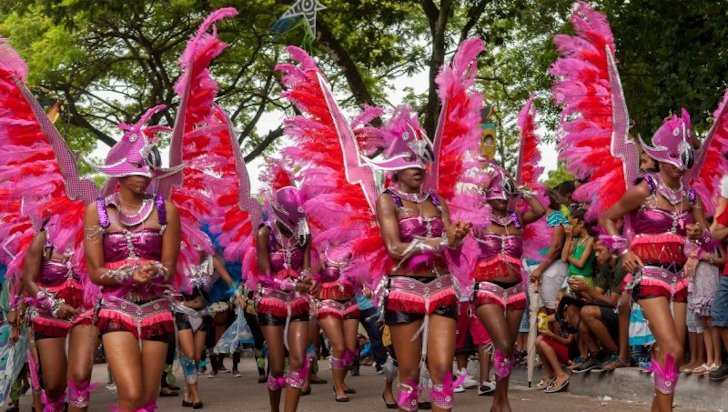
(456, 147)
(339, 188)
(595, 144)
(39, 180)
(710, 162)
(202, 142)
(536, 235)
(456, 142)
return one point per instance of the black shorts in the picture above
(609, 317)
(267, 319)
(395, 317)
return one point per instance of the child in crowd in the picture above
(703, 285)
(552, 345)
(578, 249)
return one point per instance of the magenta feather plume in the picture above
(712, 162)
(583, 91)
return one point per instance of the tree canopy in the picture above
(109, 61)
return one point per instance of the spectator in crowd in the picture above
(599, 314)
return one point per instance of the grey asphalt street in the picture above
(227, 393)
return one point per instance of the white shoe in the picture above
(459, 389)
(486, 388)
(469, 382)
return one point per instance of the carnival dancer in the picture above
(133, 238)
(422, 298)
(60, 312)
(283, 256)
(500, 295)
(338, 314)
(647, 222)
(662, 212)
(414, 255)
(132, 243)
(46, 239)
(193, 321)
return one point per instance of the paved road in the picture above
(226, 393)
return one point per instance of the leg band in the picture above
(441, 395)
(337, 363)
(53, 405)
(295, 378)
(79, 394)
(502, 366)
(408, 394)
(275, 384)
(349, 357)
(189, 367)
(665, 377)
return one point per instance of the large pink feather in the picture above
(711, 163)
(593, 114)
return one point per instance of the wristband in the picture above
(525, 192)
(122, 275)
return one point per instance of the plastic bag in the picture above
(237, 334)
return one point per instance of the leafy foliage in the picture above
(108, 61)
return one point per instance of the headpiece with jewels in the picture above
(405, 144)
(501, 186)
(136, 153)
(287, 206)
(671, 142)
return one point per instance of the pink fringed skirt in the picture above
(150, 320)
(71, 291)
(342, 310)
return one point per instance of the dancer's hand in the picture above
(631, 262)
(144, 273)
(457, 232)
(66, 311)
(240, 301)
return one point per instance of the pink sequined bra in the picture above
(140, 243)
(411, 227)
(282, 258)
(54, 272)
(129, 246)
(660, 233)
(499, 254)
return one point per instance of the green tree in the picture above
(108, 61)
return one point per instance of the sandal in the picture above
(615, 363)
(711, 368)
(318, 381)
(545, 383)
(388, 405)
(554, 388)
(700, 370)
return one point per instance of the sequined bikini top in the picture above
(649, 219)
(411, 225)
(281, 256)
(140, 243)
